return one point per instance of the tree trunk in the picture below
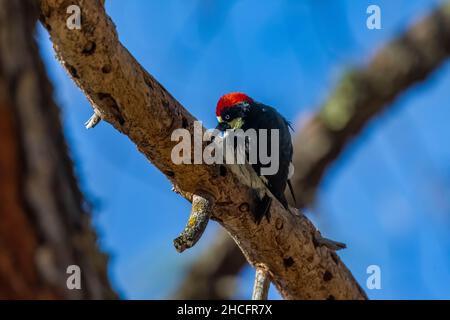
(44, 226)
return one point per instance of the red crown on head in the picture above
(230, 99)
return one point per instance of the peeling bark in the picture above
(44, 227)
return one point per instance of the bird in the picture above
(236, 110)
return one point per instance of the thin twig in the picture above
(93, 120)
(261, 286)
(330, 244)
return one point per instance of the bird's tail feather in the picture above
(292, 191)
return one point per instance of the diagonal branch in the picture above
(132, 101)
(360, 96)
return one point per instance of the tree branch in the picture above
(359, 97)
(138, 106)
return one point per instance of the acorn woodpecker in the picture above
(238, 111)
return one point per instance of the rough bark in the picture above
(360, 96)
(44, 227)
(129, 98)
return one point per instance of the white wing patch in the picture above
(291, 170)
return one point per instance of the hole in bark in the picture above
(73, 72)
(327, 276)
(110, 103)
(335, 257)
(331, 297)
(165, 103)
(288, 262)
(170, 173)
(121, 120)
(89, 48)
(244, 207)
(222, 171)
(106, 68)
(184, 123)
(42, 18)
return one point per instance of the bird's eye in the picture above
(227, 117)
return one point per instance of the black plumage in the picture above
(257, 116)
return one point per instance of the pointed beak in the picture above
(223, 126)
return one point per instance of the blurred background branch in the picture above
(214, 275)
(363, 94)
(360, 96)
(44, 225)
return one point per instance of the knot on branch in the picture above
(198, 220)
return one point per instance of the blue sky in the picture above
(387, 197)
